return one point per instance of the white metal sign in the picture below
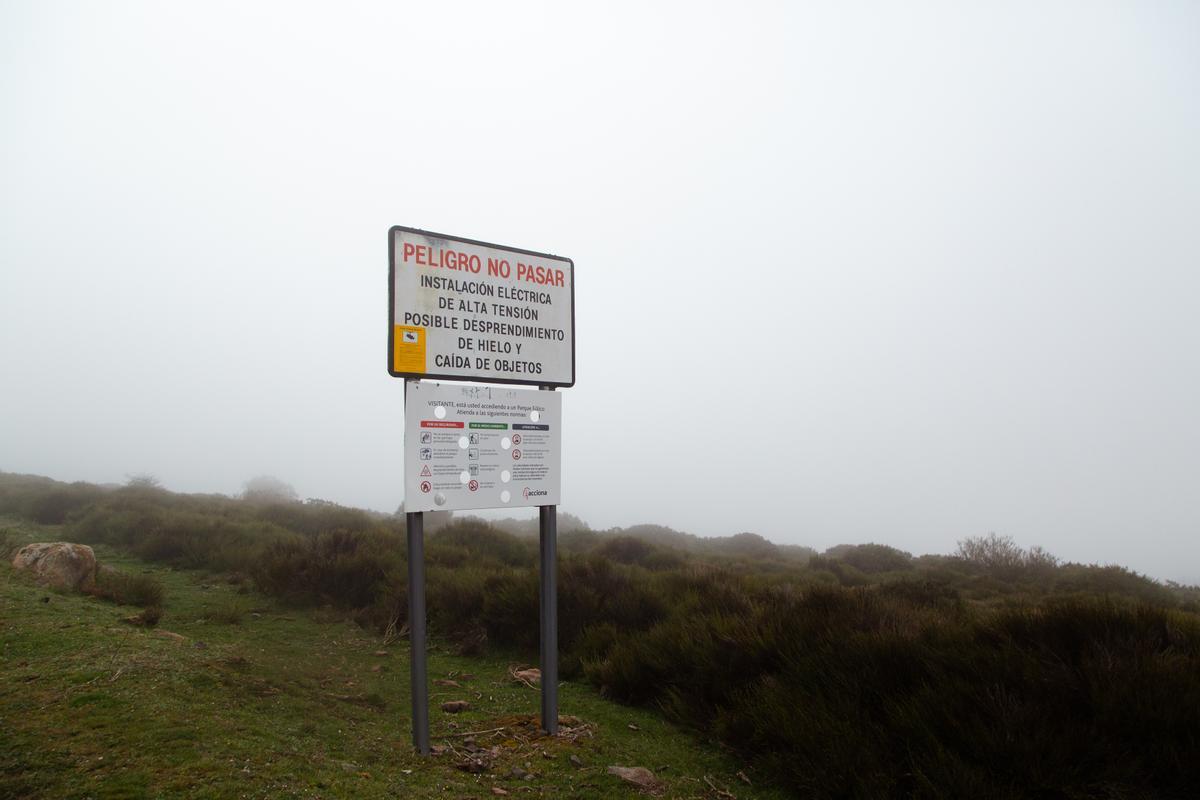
(467, 310)
(468, 447)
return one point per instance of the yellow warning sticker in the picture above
(408, 349)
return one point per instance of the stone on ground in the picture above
(639, 777)
(59, 564)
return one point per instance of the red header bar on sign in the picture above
(437, 423)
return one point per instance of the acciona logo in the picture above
(528, 493)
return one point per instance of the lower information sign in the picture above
(470, 447)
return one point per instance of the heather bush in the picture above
(315, 516)
(851, 692)
(126, 589)
(577, 541)
(1111, 581)
(629, 550)
(45, 501)
(872, 559)
(344, 569)
(862, 673)
(846, 574)
(483, 544)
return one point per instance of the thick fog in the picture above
(901, 273)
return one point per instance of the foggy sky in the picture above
(901, 273)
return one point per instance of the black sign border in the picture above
(470, 379)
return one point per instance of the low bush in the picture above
(872, 559)
(128, 590)
(855, 693)
(484, 545)
(45, 501)
(629, 550)
(345, 569)
(860, 673)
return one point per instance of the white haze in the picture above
(848, 272)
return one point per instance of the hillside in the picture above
(862, 672)
(235, 695)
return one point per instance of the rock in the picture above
(148, 618)
(576, 762)
(532, 676)
(455, 706)
(518, 773)
(498, 791)
(640, 777)
(59, 564)
(175, 637)
(444, 682)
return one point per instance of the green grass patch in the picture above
(286, 704)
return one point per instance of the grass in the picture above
(285, 704)
(864, 672)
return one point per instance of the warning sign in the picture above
(472, 311)
(469, 460)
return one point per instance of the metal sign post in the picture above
(415, 525)
(416, 631)
(548, 534)
(548, 612)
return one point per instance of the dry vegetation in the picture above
(860, 672)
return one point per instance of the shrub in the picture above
(128, 590)
(1003, 558)
(862, 693)
(628, 550)
(1112, 581)
(846, 574)
(872, 558)
(45, 501)
(314, 516)
(345, 569)
(55, 506)
(745, 545)
(577, 541)
(456, 598)
(482, 542)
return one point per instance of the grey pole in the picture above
(549, 616)
(416, 631)
(548, 550)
